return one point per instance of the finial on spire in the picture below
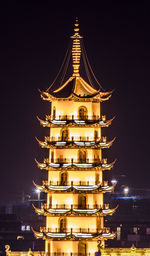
(76, 29)
(76, 49)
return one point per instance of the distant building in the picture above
(16, 222)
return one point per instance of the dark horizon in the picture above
(36, 38)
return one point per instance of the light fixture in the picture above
(113, 181)
(126, 190)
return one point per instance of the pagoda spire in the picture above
(76, 50)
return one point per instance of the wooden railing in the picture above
(71, 183)
(75, 117)
(76, 139)
(75, 230)
(77, 161)
(75, 206)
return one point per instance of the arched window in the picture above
(63, 178)
(82, 112)
(52, 156)
(54, 113)
(50, 201)
(64, 134)
(82, 202)
(97, 178)
(82, 155)
(82, 248)
(48, 248)
(95, 134)
(99, 222)
(62, 225)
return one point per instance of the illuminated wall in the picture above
(73, 199)
(76, 177)
(55, 200)
(73, 246)
(76, 133)
(70, 108)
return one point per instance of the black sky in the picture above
(36, 37)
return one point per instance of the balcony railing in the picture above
(75, 230)
(71, 183)
(75, 117)
(76, 161)
(76, 139)
(82, 163)
(65, 254)
(75, 206)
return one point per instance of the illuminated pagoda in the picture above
(75, 187)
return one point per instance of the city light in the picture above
(114, 181)
(38, 192)
(126, 190)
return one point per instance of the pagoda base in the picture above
(77, 247)
(108, 251)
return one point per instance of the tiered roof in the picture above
(76, 88)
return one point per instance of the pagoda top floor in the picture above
(76, 88)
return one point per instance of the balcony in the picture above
(75, 117)
(77, 234)
(75, 142)
(75, 230)
(74, 210)
(70, 164)
(71, 120)
(72, 161)
(72, 183)
(76, 206)
(75, 187)
(66, 254)
(76, 139)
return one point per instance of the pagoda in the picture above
(75, 187)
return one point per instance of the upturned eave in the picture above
(72, 236)
(75, 166)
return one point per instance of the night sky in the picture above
(34, 40)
